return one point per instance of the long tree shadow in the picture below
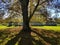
(25, 38)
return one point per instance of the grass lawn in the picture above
(55, 28)
(50, 36)
(5, 27)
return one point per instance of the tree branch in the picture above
(36, 8)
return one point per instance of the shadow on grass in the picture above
(25, 38)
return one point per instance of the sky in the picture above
(4, 8)
(53, 10)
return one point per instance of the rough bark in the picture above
(25, 18)
(24, 6)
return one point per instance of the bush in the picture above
(51, 24)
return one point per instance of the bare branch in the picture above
(36, 8)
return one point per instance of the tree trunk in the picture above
(25, 18)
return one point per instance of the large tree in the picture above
(25, 34)
(24, 6)
(26, 17)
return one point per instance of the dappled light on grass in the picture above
(7, 34)
(37, 37)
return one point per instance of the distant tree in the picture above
(10, 24)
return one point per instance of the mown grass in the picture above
(6, 35)
(5, 27)
(55, 28)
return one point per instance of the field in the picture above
(41, 35)
(55, 28)
(5, 27)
